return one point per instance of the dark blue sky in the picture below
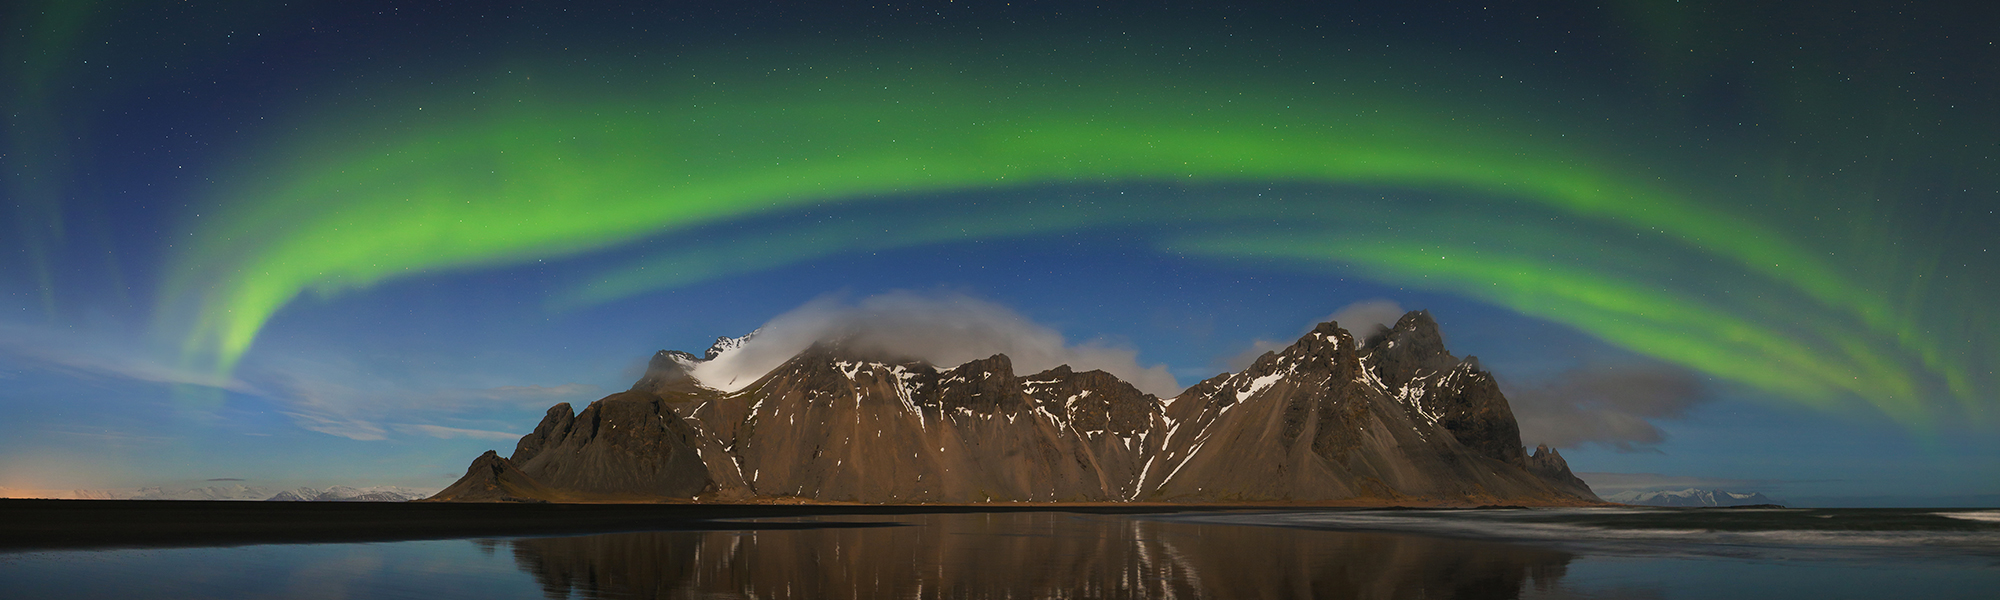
(1700, 244)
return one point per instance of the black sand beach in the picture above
(82, 524)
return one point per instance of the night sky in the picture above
(1700, 243)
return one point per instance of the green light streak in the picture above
(1633, 314)
(433, 185)
(36, 146)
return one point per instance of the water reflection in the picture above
(1034, 555)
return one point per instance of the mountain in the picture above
(1328, 419)
(341, 493)
(338, 493)
(494, 479)
(1690, 497)
(225, 492)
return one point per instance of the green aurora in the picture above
(1560, 216)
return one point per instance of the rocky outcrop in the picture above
(627, 444)
(1409, 362)
(495, 479)
(1397, 418)
(1549, 465)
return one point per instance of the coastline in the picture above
(31, 525)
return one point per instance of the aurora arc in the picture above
(527, 172)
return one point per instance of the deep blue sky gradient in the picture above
(150, 108)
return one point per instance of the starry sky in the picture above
(1700, 243)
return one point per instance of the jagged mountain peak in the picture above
(1322, 355)
(724, 344)
(1413, 346)
(986, 385)
(1092, 400)
(1325, 340)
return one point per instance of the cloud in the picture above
(111, 436)
(524, 396)
(942, 329)
(339, 425)
(446, 433)
(346, 401)
(1361, 319)
(1613, 406)
(1611, 483)
(80, 353)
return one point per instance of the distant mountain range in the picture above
(1392, 419)
(1690, 497)
(338, 493)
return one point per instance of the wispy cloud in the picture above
(115, 436)
(350, 403)
(83, 354)
(1615, 406)
(339, 425)
(1612, 483)
(530, 396)
(329, 395)
(442, 432)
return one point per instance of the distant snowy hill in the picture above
(223, 492)
(1690, 497)
(341, 493)
(338, 493)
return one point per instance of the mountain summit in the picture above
(1394, 419)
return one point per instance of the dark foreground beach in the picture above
(107, 549)
(84, 524)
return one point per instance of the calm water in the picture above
(1584, 553)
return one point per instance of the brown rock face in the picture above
(832, 425)
(1326, 419)
(494, 479)
(1411, 363)
(554, 427)
(627, 444)
(1549, 465)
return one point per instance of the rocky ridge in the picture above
(1396, 418)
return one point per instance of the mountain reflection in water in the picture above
(1035, 555)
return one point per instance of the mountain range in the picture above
(238, 491)
(1690, 497)
(1394, 418)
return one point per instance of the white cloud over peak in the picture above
(942, 329)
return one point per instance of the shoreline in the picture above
(32, 525)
